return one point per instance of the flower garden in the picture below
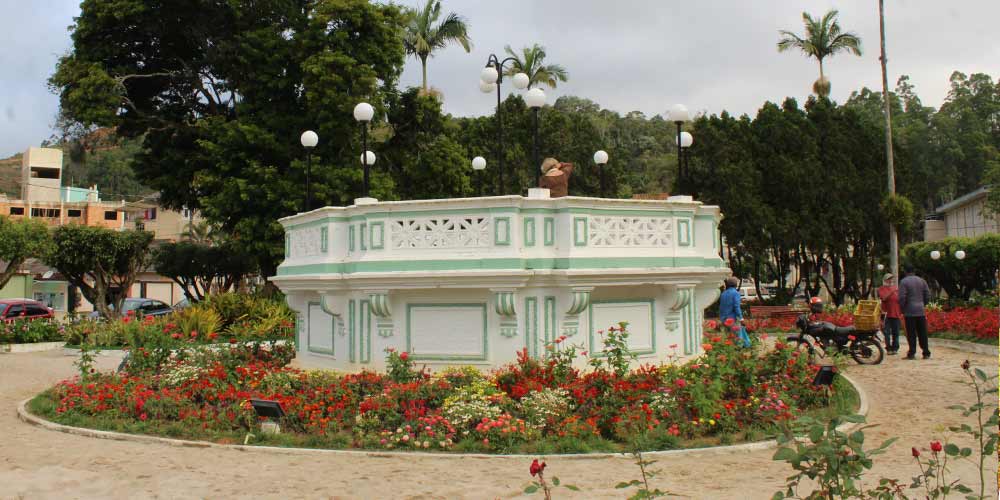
(535, 405)
(973, 324)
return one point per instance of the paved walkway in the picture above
(909, 399)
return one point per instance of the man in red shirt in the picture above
(889, 294)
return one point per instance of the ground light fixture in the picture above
(364, 113)
(309, 140)
(960, 254)
(935, 255)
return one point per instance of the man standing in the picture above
(913, 297)
(888, 293)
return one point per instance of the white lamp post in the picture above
(601, 159)
(364, 113)
(490, 79)
(521, 81)
(535, 99)
(309, 140)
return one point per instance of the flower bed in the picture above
(977, 324)
(541, 405)
(30, 332)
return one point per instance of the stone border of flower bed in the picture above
(961, 345)
(26, 416)
(30, 347)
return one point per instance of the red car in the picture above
(12, 309)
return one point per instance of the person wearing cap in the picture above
(555, 177)
(888, 293)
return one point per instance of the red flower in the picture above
(404, 356)
(175, 336)
(712, 325)
(232, 340)
(915, 452)
(194, 334)
(706, 347)
(936, 446)
(966, 365)
(536, 468)
(729, 322)
(680, 382)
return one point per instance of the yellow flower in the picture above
(711, 421)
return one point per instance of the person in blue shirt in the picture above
(729, 308)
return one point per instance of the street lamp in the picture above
(679, 114)
(601, 159)
(535, 99)
(364, 113)
(479, 164)
(686, 141)
(490, 79)
(309, 139)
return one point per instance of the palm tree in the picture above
(530, 62)
(423, 34)
(201, 232)
(822, 38)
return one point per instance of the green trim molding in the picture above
(376, 235)
(549, 231)
(501, 231)
(333, 331)
(531, 326)
(684, 238)
(499, 263)
(529, 231)
(580, 233)
(481, 356)
(597, 351)
(324, 239)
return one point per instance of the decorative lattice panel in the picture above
(443, 232)
(630, 231)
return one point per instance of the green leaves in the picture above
(19, 240)
(531, 489)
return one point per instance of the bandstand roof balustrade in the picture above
(500, 240)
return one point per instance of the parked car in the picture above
(12, 309)
(182, 304)
(141, 307)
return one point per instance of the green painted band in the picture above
(493, 264)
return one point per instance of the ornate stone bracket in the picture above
(333, 305)
(579, 302)
(682, 316)
(378, 304)
(503, 304)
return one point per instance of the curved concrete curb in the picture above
(961, 345)
(32, 347)
(23, 414)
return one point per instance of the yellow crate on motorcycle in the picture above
(867, 315)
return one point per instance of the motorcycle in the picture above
(816, 337)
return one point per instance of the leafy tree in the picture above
(102, 263)
(221, 91)
(959, 278)
(823, 38)
(200, 269)
(20, 240)
(424, 34)
(531, 62)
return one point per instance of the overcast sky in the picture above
(645, 55)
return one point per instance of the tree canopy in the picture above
(823, 38)
(20, 240)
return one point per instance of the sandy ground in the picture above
(909, 399)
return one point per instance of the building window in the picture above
(53, 212)
(74, 213)
(37, 212)
(149, 214)
(17, 210)
(45, 212)
(110, 215)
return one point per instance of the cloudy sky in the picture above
(645, 55)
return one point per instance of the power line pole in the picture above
(893, 237)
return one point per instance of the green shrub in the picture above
(30, 332)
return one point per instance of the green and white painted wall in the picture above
(474, 280)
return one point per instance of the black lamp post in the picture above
(479, 164)
(309, 139)
(679, 115)
(601, 159)
(686, 140)
(489, 80)
(363, 113)
(535, 99)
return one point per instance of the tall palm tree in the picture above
(822, 38)
(530, 62)
(424, 34)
